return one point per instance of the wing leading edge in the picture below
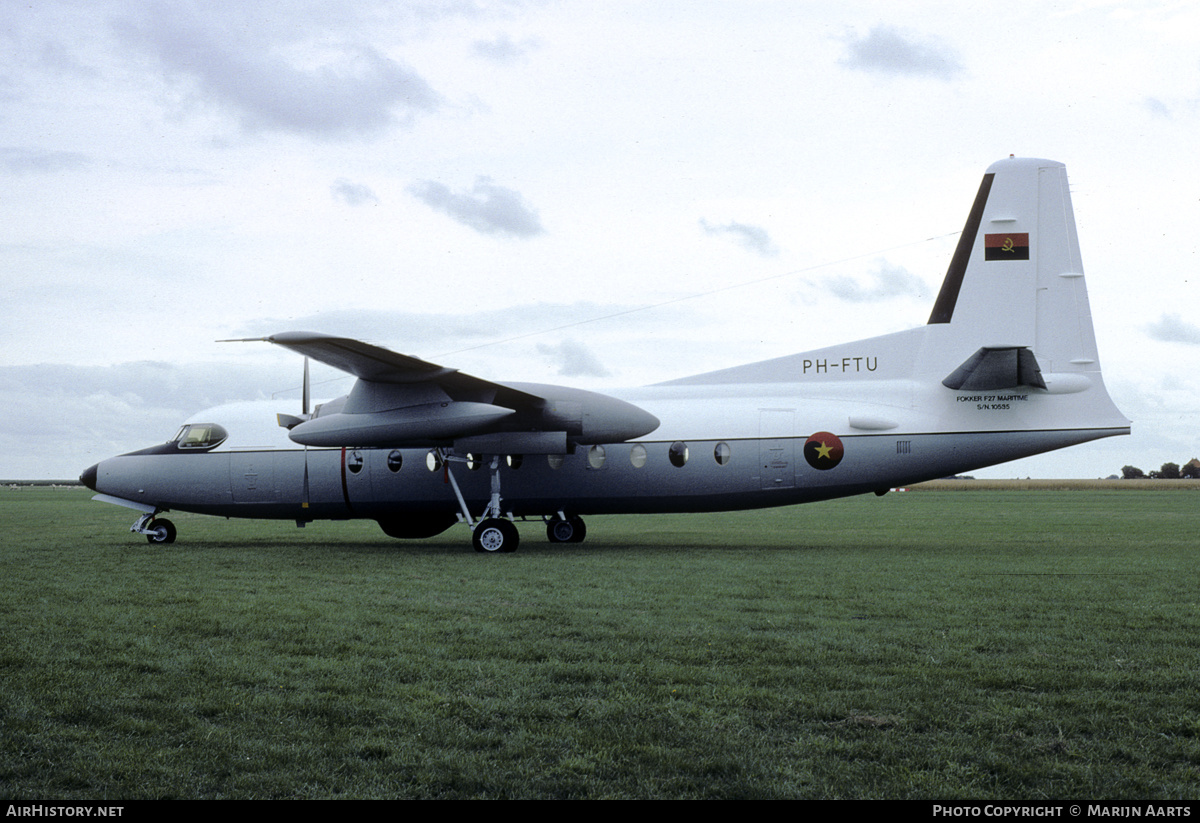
(400, 400)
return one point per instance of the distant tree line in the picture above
(1169, 471)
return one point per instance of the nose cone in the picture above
(88, 478)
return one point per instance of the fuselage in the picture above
(719, 447)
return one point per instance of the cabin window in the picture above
(433, 461)
(721, 453)
(200, 436)
(637, 455)
(474, 462)
(678, 453)
(354, 462)
(514, 461)
(596, 457)
(395, 460)
(555, 461)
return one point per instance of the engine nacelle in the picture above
(427, 424)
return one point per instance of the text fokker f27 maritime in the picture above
(1005, 368)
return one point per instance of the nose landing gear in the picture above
(161, 531)
(157, 531)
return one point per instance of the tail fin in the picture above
(1012, 312)
(1015, 283)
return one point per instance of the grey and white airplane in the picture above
(1005, 368)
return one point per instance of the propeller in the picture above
(290, 421)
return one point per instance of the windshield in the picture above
(200, 436)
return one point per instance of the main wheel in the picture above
(580, 530)
(570, 530)
(560, 531)
(495, 534)
(161, 531)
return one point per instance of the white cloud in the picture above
(31, 160)
(574, 359)
(754, 238)
(889, 51)
(502, 48)
(487, 208)
(885, 283)
(317, 89)
(1156, 107)
(1171, 328)
(353, 194)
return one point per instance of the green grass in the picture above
(1018, 644)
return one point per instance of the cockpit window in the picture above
(200, 436)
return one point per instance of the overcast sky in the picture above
(597, 194)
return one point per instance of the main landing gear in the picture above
(495, 531)
(563, 529)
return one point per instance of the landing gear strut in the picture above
(494, 533)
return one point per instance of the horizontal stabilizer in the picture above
(997, 368)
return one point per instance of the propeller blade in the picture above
(305, 395)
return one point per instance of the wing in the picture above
(400, 400)
(384, 366)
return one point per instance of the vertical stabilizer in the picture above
(1016, 279)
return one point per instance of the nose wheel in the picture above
(161, 532)
(158, 530)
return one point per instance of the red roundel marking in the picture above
(823, 450)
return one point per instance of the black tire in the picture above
(580, 529)
(162, 532)
(571, 530)
(560, 531)
(495, 535)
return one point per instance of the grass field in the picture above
(1009, 645)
